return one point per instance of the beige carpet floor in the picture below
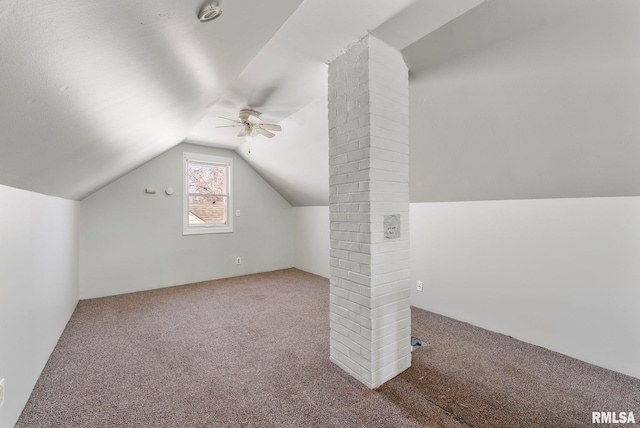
(253, 351)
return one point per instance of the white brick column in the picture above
(369, 205)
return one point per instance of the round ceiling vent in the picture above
(209, 13)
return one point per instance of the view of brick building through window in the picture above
(207, 212)
(207, 193)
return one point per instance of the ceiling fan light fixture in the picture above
(209, 12)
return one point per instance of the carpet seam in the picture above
(450, 414)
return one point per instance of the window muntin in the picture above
(207, 202)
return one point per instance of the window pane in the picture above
(207, 210)
(208, 199)
(207, 179)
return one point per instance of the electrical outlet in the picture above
(1, 392)
(238, 260)
(419, 286)
(237, 213)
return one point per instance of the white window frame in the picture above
(188, 229)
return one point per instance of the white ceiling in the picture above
(520, 99)
(91, 90)
(289, 73)
(509, 98)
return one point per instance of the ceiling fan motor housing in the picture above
(249, 115)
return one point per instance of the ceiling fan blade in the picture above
(229, 126)
(271, 127)
(242, 133)
(232, 120)
(265, 132)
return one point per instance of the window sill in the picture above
(206, 230)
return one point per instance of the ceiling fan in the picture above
(249, 120)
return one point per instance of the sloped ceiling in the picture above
(521, 99)
(296, 164)
(509, 99)
(91, 90)
(289, 73)
(287, 81)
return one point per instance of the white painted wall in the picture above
(38, 288)
(559, 273)
(311, 237)
(132, 241)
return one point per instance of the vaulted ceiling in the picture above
(91, 90)
(521, 99)
(509, 98)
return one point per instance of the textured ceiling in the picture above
(287, 81)
(92, 90)
(510, 99)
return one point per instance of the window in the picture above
(207, 196)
